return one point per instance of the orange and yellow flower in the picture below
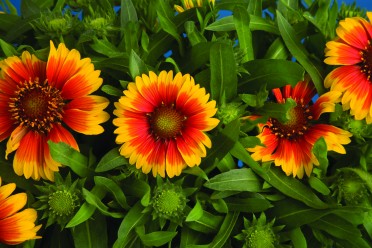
(290, 144)
(189, 4)
(352, 52)
(36, 97)
(161, 123)
(16, 226)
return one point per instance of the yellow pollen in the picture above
(37, 106)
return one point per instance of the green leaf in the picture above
(166, 16)
(66, 155)
(318, 185)
(86, 210)
(135, 217)
(337, 227)
(92, 233)
(195, 213)
(158, 238)
(238, 180)
(193, 33)
(256, 23)
(321, 153)
(113, 188)
(277, 50)
(95, 201)
(298, 238)
(207, 223)
(8, 49)
(111, 160)
(223, 72)
(299, 52)
(111, 90)
(136, 65)
(7, 21)
(247, 205)
(127, 12)
(275, 73)
(276, 177)
(138, 188)
(278, 111)
(197, 57)
(241, 21)
(225, 231)
(105, 47)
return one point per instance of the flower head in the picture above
(16, 226)
(352, 52)
(169, 202)
(161, 123)
(259, 234)
(189, 4)
(290, 144)
(37, 98)
(59, 200)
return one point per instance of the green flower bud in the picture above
(54, 24)
(230, 111)
(351, 10)
(101, 25)
(168, 202)
(259, 234)
(59, 201)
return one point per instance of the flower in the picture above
(16, 227)
(290, 144)
(59, 200)
(258, 233)
(189, 4)
(161, 120)
(352, 50)
(37, 97)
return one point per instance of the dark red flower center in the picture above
(296, 126)
(37, 106)
(166, 122)
(366, 64)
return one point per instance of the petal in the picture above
(12, 204)
(15, 139)
(353, 32)
(174, 161)
(339, 53)
(325, 103)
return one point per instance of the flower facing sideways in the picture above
(290, 144)
(161, 123)
(15, 226)
(352, 52)
(37, 97)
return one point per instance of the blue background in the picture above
(361, 3)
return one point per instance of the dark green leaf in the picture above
(195, 213)
(300, 53)
(136, 65)
(223, 72)
(106, 48)
(277, 50)
(318, 185)
(275, 73)
(255, 8)
(92, 233)
(193, 33)
(8, 49)
(158, 238)
(207, 223)
(320, 151)
(238, 180)
(113, 188)
(247, 205)
(241, 21)
(66, 155)
(225, 231)
(298, 238)
(111, 160)
(95, 201)
(134, 217)
(278, 111)
(127, 12)
(111, 90)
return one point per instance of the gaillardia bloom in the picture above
(161, 123)
(36, 97)
(189, 4)
(290, 144)
(352, 50)
(16, 226)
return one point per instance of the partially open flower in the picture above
(189, 4)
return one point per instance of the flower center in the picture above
(37, 106)
(62, 203)
(366, 64)
(263, 237)
(166, 122)
(295, 127)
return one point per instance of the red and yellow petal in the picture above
(85, 122)
(19, 227)
(325, 103)
(12, 204)
(339, 53)
(353, 32)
